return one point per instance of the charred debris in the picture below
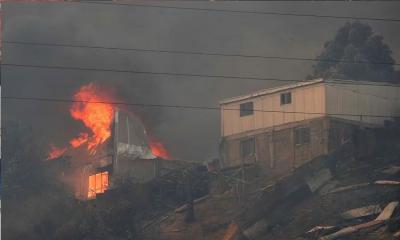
(343, 195)
(346, 194)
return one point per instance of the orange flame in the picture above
(98, 183)
(81, 139)
(95, 115)
(55, 152)
(91, 108)
(158, 149)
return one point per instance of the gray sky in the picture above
(189, 134)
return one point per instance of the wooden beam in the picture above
(380, 220)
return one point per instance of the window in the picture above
(286, 98)
(98, 183)
(246, 109)
(302, 135)
(247, 147)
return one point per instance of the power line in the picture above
(197, 53)
(249, 12)
(337, 81)
(188, 107)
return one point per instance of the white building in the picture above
(352, 100)
(283, 127)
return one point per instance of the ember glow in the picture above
(158, 149)
(55, 152)
(81, 139)
(98, 183)
(95, 115)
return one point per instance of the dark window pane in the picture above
(246, 109)
(289, 98)
(247, 147)
(297, 139)
(302, 135)
(306, 135)
(286, 98)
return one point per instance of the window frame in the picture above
(302, 136)
(97, 183)
(246, 109)
(286, 98)
(243, 145)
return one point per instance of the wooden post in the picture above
(242, 184)
(190, 217)
(115, 143)
(238, 190)
(293, 136)
(271, 150)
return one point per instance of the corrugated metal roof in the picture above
(296, 85)
(271, 90)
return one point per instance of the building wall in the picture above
(144, 170)
(130, 137)
(363, 100)
(341, 131)
(329, 97)
(141, 170)
(276, 151)
(308, 98)
(274, 132)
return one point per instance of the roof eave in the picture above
(271, 91)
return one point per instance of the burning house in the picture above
(128, 153)
(115, 148)
(282, 128)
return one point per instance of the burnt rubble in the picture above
(339, 196)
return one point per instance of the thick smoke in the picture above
(188, 134)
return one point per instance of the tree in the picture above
(356, 42)
(34, 199)
(21, 154)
